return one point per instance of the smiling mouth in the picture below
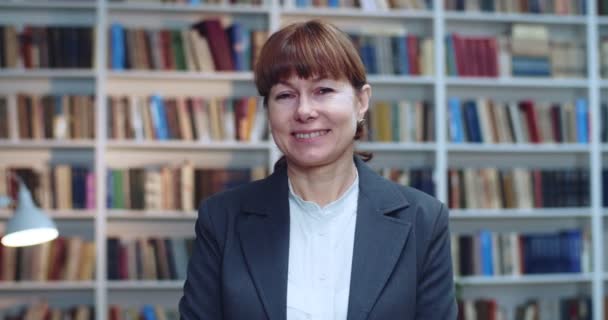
(310, 135)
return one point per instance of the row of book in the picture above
(179, 187)
(400, 121)
(46, 47)
(365, 5)
(486, 121)
(421, 178)
(148, 258)
(205, 46)
(48, 116)
(145, 312)
(492, 188)
(602, 7)
(570, 308)
(44, 311)
(560, 7)
(193, 2)
(63, 259)
(395, 52)
(527, 52)
(53, 186)
(489, 253)
(186, 118)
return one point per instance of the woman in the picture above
(323, 237)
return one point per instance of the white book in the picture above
(135, 106)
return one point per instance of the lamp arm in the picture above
(6, 200)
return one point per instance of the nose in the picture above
(305, 110)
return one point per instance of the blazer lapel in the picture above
(379, 240)
(263, 230)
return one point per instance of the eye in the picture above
(325, 90)
(283, 96)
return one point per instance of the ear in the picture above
(363, 97)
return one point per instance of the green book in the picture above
(178, 50)
(118, 200)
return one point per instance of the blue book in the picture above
(370, 54)
(451, 56)
(487, 254)
(582, 121)
(400, 55)
(118, 46)
(148, 313)
(333, 3)
(301, 3)
(237, 48)
(159, 117)
(109, 189)
(572, 248)
(472, 120)
(455, 117)
(194, 2)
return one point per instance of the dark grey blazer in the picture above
(401, 261)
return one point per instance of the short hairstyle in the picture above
(312, 48)
(307, 49)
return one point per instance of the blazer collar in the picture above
(272, 197)
(379, 239)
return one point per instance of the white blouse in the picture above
(320, 256)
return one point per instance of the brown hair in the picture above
(312, 48)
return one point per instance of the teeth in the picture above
(311, 135)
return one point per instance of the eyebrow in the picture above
(315, 79)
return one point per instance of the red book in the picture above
(412, 54)
(528, 108)
(556, 124)
(218, 43)
(26, 47)
(492, 52)
(123, 267)
(459, 54)
(167, 52)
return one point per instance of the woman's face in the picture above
(313, 121)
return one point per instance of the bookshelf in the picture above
(440, 154)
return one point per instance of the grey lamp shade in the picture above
(28, 225)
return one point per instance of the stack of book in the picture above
(206, 46)
(483, 120)
(148, 259)
(492, 188)
(186, 118)
(401, 121)
(63, 259)
(171, 187)
(147, 312)
(46, 47)
(489, 253)
(57, 186)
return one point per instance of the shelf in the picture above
(46, 285)
(395, 146)
(515, 17)
(497, 214)
(519, 148)
(46, 144)
(145, 285)
(544, 279)
(602, 20)
(88, 214)
(49, 5)
(356, 13)
(150, 215)
(185, 8)
(187, 145)
(397, 80)
(603, 83)
(180, 75)
(14, 74)
(516, 82)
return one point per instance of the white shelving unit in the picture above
(440, 154)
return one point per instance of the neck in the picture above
(325, 184)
